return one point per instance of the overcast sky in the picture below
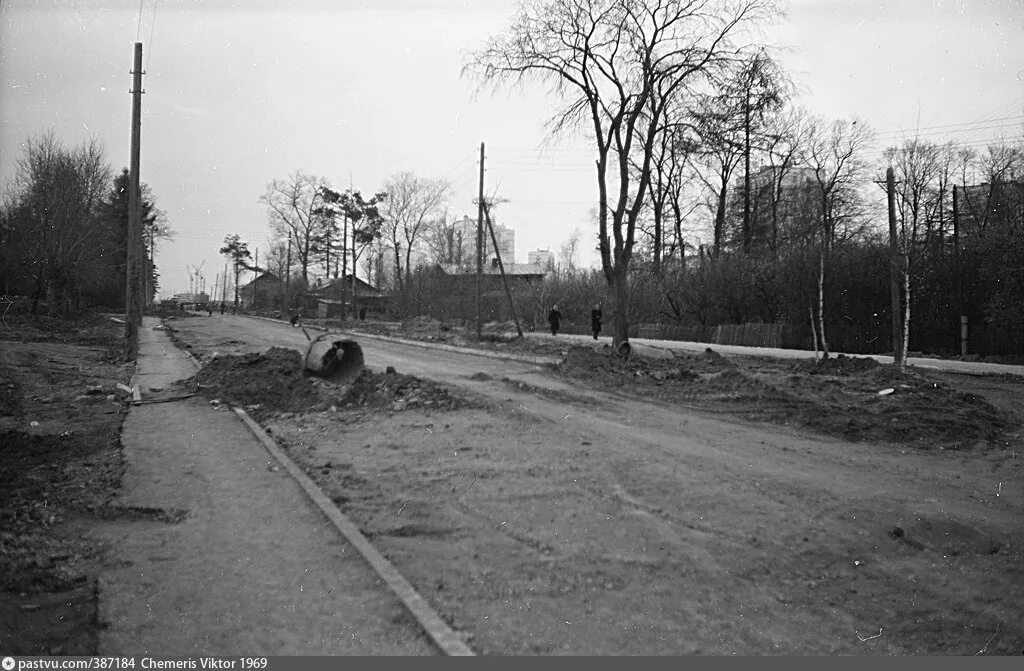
(239, 93)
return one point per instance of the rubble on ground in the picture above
(272, 380)
(395, 391)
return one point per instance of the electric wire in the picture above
(152, 30)
(138, 27)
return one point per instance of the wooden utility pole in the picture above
(959, 274)
(344, 265)
(255, 276)
(894, 271)
(501, 267)
(286, 307)
(480, 244)
(133, 246)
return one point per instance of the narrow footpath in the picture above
(216, 550)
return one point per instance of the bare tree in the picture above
(837, 155)
(720, 153)
(617, 65)
(786, 139)
(444, 242)
(52, 207)
(568, 254)
(669, 178)
(294, 211)
(412, 203)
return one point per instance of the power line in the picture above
(138, 27)
(152, 29)
(964, 131)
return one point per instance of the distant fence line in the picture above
(983, 339)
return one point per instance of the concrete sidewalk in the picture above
(220, 552)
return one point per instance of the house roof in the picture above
(336, 285)
(263, 278)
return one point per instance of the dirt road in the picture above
(547, 519)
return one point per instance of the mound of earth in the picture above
(423, 325)
(395, 391)
(838, 365)
(601, 366)
(273, 380)
(838, 397)
(373, 329)
(498, 328)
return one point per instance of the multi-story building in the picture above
(465, 229)
(543, 258)
(780, 204)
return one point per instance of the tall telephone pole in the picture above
(480, 244)
(286, 306)
(133, 273)
(894, 271)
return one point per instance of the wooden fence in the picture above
(751, 335)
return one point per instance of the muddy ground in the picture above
(60, 464)
(697, 504)
(855, 398)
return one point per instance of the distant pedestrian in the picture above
(294, 320)
(554, 318)
(595, 320)
(222, 307)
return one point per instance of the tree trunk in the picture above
(720, 219)
(398, 268)
(657, 239)
(821, 303)
(344, 265)
(905, 263)
(746, 176)
(814, 329)
(620, 296)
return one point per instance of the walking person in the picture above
(595, 320)
(554, 318)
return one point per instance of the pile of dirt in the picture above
(602, 367)
(498, 328)
(838, 397)
(272, 380)
(838, 365)
(423, 327)
(734, 385)
(395, 391)
(373, 329)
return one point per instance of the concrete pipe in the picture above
(333, 358)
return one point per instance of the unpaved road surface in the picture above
(545, 518)
(220, 552)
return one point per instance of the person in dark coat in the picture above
(554, 318)
(595, 320)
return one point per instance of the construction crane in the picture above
(196, 280)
